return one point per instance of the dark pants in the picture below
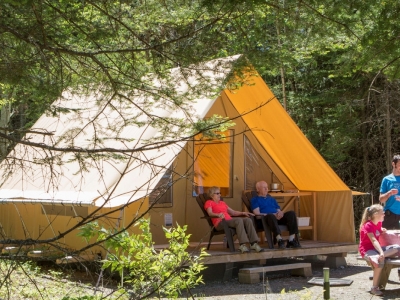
(391, 220)
(289, 219)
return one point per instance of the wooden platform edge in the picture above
(324, 249)
(252, 275)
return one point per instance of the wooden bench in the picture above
(252, 275)
(390, 263)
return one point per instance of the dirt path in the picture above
(299, 288)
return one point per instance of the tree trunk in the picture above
(388, 130)
(4, 120)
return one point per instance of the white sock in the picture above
(291, 237)
(278, 237)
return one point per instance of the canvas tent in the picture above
(27, 193)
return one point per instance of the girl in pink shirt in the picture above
(370, 249)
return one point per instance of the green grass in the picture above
(26, 280)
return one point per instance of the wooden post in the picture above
(228, 271)
(315, 216)
(326, 284)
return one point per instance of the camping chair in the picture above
(228, 231)
(246, 198)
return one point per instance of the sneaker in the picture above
(243, 248)
(256, 247)
(281, 244)
(376, 291)
(292, 244)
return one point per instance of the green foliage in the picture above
(328, 52)
(6, 94)
(213, 127)
(25, 280)
(81, 298)
(146, 271)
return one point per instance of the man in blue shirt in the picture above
(266, 206)
(390, 197)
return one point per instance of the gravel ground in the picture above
(281, 285)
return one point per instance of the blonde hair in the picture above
(369, 212)
(212, 190)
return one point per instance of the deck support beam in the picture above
(228, 271)
(335, 260)
(252, 275)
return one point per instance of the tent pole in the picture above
(47, 218)
(22, 221)
(121, 214)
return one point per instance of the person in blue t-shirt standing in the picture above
(266, 206)
(390, 197)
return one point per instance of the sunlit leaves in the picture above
(147, 271)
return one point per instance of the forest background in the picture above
(334, 65)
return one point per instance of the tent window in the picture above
(255, 167)
(161, 196)
(213, 160)
(66, 211)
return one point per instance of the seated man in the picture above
(266, 206)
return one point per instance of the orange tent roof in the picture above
(282, 139)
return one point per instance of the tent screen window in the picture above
(162, 193)
(213, 164)
(255, 166)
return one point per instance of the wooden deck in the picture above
(335, 251)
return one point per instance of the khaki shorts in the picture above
(374, 253)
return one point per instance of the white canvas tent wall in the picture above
(95, 114)
(106, 184)
(271, 131)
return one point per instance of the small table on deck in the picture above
(293, 196)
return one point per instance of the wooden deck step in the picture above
(252, 275)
